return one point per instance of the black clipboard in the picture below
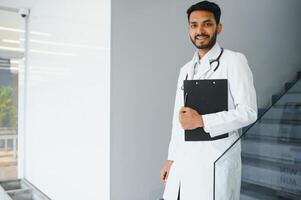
(205, 96)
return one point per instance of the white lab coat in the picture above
(192, 169)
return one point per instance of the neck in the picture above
(202, 52)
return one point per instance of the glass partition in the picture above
(265, 162)
(11, 55)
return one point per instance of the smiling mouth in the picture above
(201, 37)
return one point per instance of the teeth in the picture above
(201, 37)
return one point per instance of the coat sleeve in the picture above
(244, 97)
(176, 129)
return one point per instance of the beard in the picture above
(209, 45)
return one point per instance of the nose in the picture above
(200, 30)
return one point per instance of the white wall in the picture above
(68, 116)
(267, 32)
(149, 45)
(67, 112)
(148, 48)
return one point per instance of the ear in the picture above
(219, 28)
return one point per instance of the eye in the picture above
(208, 24)
(193, 25)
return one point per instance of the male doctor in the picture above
(188, 173)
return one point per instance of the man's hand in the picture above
(190, 119)
(165, 171)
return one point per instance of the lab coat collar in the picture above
(212, 54)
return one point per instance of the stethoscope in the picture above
(217, 60)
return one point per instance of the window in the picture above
(11, 55)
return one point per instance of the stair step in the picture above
(288, 112)
(296, 87)
(288, 85)
(272, 129)
(261, 111)
(277, 176)
(11, 185)
(20, 189)
(280, 121)
(280, 139)
(278, 151)
(22, 194)
(268, 159)
(289, 97)
(251, 191)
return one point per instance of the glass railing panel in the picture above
(296, 87)
(289, 98)
(270, 156)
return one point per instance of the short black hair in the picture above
(207, 6)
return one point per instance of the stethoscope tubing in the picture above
(215, 60)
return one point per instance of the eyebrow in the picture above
(207, 20)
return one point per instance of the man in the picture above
(188, 173)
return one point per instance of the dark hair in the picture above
(207, 6)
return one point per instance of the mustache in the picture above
(201, 35)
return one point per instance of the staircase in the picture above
(271, 150)
(20, 190)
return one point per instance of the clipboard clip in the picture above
(185, 99)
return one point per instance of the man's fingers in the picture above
(164, 175)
